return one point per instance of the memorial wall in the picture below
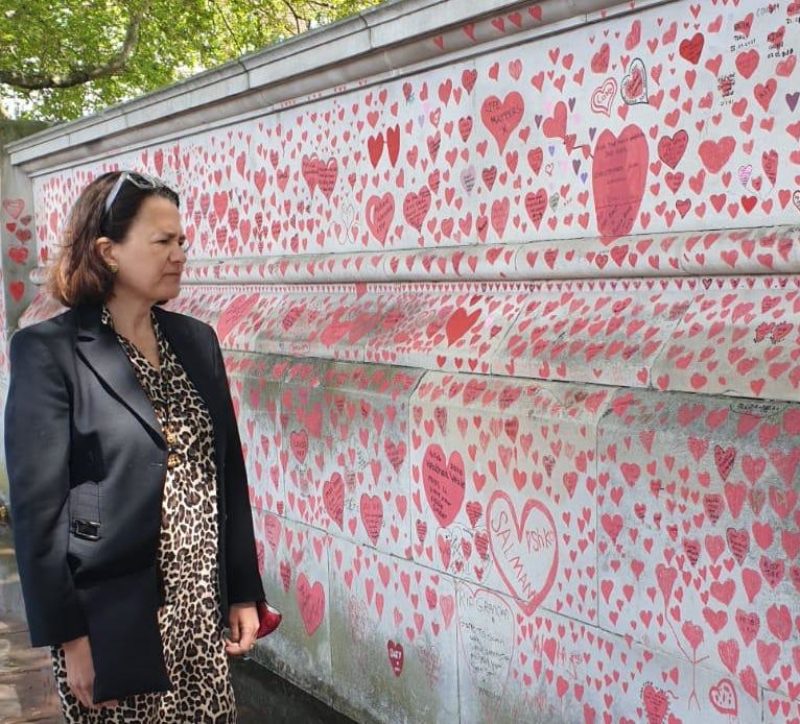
(509, 300)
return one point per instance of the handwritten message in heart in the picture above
(333, 497)
(371, 509)
(234, 313)
(618, 179)
(396, 655)
(524, 548)
(311, 603)
(723, 697)
(443, 480)
(656, 703)
(502, 117)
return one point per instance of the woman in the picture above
(128, 491)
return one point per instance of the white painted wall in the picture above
(509, 295)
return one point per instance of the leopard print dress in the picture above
(190, 621)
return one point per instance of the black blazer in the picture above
(86, 465)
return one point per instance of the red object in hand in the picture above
(269, 618)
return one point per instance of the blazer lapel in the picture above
(98, 346)
(193, 354)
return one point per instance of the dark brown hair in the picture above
(78, 274)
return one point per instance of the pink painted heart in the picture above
(310, 602)
(416, 207)
(298, 441)
(724, 459)
(671, 149)
(723, 697)
(327, 173)
(443, 481)
(18, 254)
(715, 154)
(379, 215)
(460, 323)
(333, 498)
(656, 703)
(474, 511)
(272, 530)
(396, 452)
(618, 179)
(524, 548)
(666, 580)
(13, 207)
(603, 96)
(502, 117)
(634, 85)
(693, 634)
(371, 508)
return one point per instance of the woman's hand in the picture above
(80, 672)
(243, 621)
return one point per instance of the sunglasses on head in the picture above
(140, 180)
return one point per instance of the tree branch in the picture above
(78, 76)
(296, 15)
(228, 27)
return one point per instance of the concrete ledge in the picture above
(772, 250)
(668, 334)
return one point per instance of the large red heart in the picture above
(333, 497)
(234, 313)
(502, 117)
(372, 515)
(460, 323)
(618, 179)
(443, 481)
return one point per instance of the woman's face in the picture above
(151, 257)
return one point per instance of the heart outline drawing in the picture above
(519, 546)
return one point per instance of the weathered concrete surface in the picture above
(262, 696)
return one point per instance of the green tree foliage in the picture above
(61, 59)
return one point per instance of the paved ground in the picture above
(27, 692)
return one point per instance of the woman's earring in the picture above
(113, 267)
